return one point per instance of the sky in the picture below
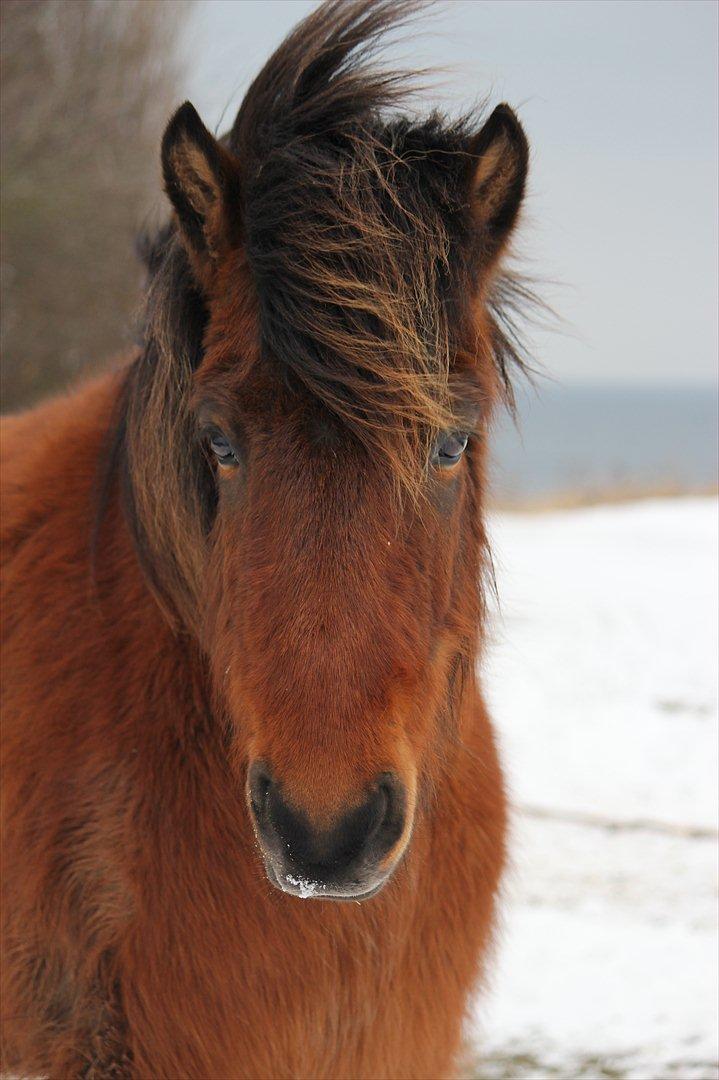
(619, 101)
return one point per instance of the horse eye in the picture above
(222, 450)
(449, 449)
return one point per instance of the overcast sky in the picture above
(619, 99)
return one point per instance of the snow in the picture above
(602, 679)
(306, 889)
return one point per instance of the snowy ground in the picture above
(603, 682)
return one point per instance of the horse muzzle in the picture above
(351, 859)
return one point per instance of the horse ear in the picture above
(202, 181)
(500, 158)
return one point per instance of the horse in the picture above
(254, 815)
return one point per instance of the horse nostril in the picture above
(259, 783)
(388, 817)
(379, 810)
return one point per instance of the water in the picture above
(605, 438)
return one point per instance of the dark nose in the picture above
(342, 861)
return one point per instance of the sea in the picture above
(584, 441)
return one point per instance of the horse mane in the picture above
(352, 221)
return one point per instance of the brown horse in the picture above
(243, 605)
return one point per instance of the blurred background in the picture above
(85, 90)
(602, 669)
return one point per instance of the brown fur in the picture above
(318, 606)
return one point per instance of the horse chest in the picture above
(263, 984)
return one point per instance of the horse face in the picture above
(337, 616)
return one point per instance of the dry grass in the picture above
(576, 499)
(612, 1067)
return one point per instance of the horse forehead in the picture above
(320, 510)
(306, 430)
(299, 441)
(314, 482)
(258, 396)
